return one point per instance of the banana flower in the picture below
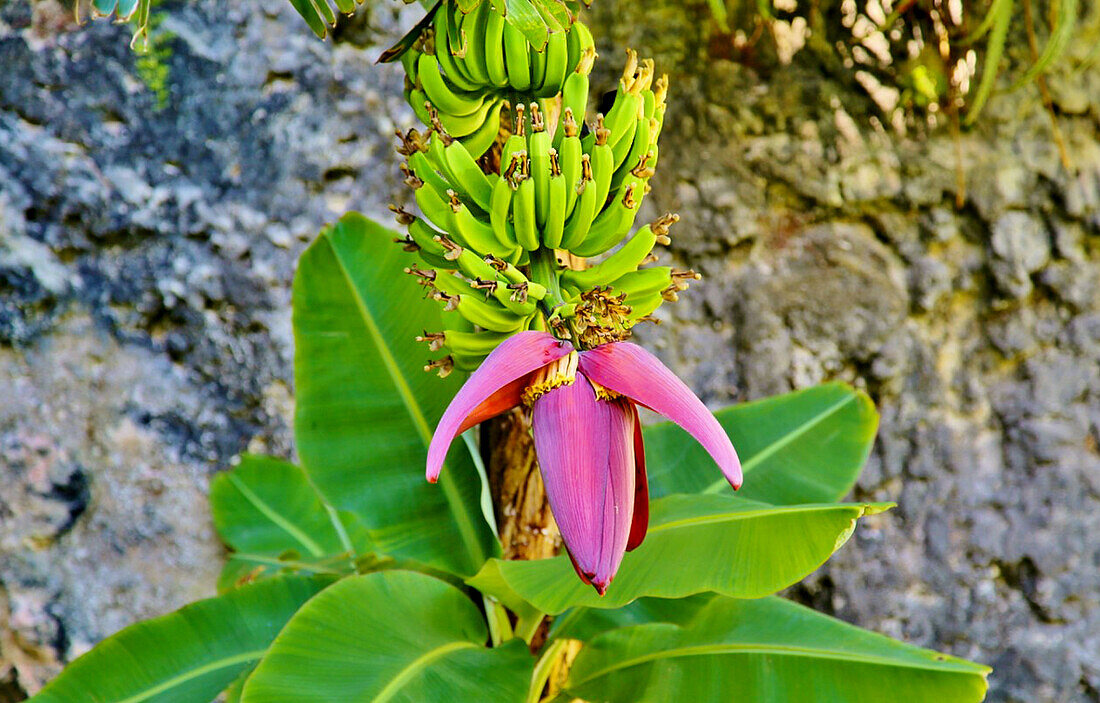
(587, 436)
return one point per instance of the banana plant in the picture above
(372, 569)
(350, 577)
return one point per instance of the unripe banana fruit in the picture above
(515, 176)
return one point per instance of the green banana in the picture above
(470, 230)
(481, 312)
(473, 24)
(509, 271)
(446, 60)
(473, 343)
(450, 101)
(537, 60)
(456, 44)
(517, 140)
(569, 156)
(574, 101)
(643, 305)
(515, 300)
(611, 224)
(580, 221)
(464, 125)
(436, 155)
(523, 209)
(554, 227)
(454, 284)
(467, 175)
(465, 362)
(518, 286)
(452, 320)
(500, 204)
(474, 267)
(418, 101)
(538, 151)
(639, 149)
(570, 292)
(479, 141)
(517, 58)
(423, 237)
(623, 114)
(555, 64)
(510, 300)
(494, 50)
(603, 163)
(435, 206)
(631, 255)
(649, 104)
(409, 59)
(643, 282)
(580, 42)
(620, 147)
(422, 168)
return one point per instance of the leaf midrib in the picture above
(446, 480)
(271, 514)
(242, 658)
(416, 665)
(753, 461)
(861, 508)
(779, 650)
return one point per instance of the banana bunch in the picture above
(555, 189)
(465, 65)
(621, 154)
(620, 275)
(510, 178)
(461, 253)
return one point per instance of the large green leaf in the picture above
(366, 408)
(696, 543)
(273, 519)
(389, 636)
(586, 623)
(766, 650)
(802, 447)
(189, 655)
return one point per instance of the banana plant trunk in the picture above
(527, 528)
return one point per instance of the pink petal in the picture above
(640, 523)
(503, 400)
(585, 449)
(632, 371)
(516, 357)
(577, 567)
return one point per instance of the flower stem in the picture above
(542, 670)
(500, 630)
(544, 272)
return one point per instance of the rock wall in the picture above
(832, 248)
(147, 245)
(151, 213)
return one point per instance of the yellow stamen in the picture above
(604, 393)
(562, 372)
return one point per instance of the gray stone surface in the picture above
(146, 254)
(829, 253)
